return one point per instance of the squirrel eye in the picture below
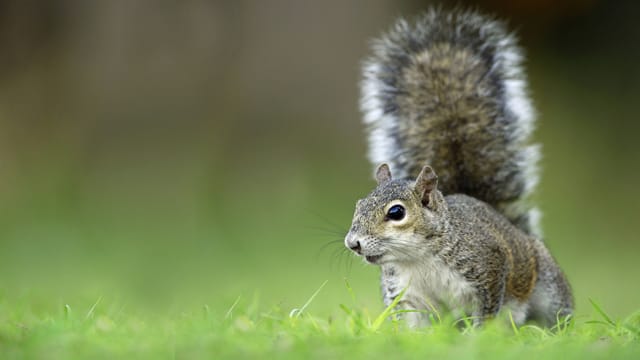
(396, 213)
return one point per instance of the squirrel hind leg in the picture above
(551, 301)
(518, 311)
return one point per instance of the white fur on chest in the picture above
(434, 284)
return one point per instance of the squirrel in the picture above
(448, 94)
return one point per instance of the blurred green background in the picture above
(166, 155)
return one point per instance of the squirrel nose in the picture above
(353, 244)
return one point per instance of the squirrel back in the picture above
(449, 91)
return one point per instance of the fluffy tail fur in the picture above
(449, 91)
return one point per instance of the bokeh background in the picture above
(165, 155)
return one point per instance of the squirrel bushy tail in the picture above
(449, 91)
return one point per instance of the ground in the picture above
(249, 328)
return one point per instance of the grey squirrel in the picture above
(447, 94)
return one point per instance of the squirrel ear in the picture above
(383, 174)
(426, 182)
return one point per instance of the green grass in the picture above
(246, 327)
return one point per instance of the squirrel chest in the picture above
(426, 282)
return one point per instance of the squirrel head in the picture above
(399, 220)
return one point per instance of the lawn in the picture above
(250, 328)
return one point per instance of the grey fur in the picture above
(458, 253)
(449, 91)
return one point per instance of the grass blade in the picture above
(602, 313)
(233, 306)
(297, 312)
(350, 290)
(92, 309)
(387, 312)
(513, 324)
